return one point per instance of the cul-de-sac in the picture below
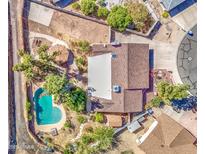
(102, 76)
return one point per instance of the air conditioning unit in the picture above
(116, 89)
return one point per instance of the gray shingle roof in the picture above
(170, 4)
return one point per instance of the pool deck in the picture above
(48, 127)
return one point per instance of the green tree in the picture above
(56, 85)
(168, 92)
(88, 6)
(102, 137)
(26, 66)
(76, 99)
(103, 12)
(138, 12)
(119, 18)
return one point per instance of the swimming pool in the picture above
(46, 113)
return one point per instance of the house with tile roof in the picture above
(118, 75)
(169, 137)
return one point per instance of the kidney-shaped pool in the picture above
(46, 113)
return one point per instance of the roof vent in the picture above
(115, 43)
(116, 89)
(113, 55)
(104, 45)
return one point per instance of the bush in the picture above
(101, 3)
(99, 117)
(76, 6)
(138, 12)
(83, 45)
(87, 139)
(28, 106)
(156, 102)
(89, 129)
(81, 64)
(119, 18)
(30, 117)
(165, 14)
(48, 139)
(127, 152)
(67, 124)
(81, 119)
(103, 12)
(87, 6)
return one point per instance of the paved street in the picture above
(24, 143)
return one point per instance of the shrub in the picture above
(28, 106)
(119, 18)
(81, 119)
(101, 3)
(138, 12)
(87, 6)
(83, 45)
(99, 117)
(87, 139)
(30, 117)
(81, 64)
(165, 14)
(156, 102)
(103, 12)
(127, 152)
(67, 124)
(89, 129)
(76, 6)
(48, 139)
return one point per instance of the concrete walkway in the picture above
(187, 18)
(54, 40)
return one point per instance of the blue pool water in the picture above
(45, 112)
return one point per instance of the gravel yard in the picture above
(64, 26)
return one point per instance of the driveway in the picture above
(165, 53)
(187, 18)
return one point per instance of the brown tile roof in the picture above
(169, 137)
(130, 70)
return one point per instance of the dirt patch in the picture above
(64, 26)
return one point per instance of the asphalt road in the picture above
(20, 140)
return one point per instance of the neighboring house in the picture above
(170, 4)
(169, 137)
(176, 6)
(61, 3)
(118, 76)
